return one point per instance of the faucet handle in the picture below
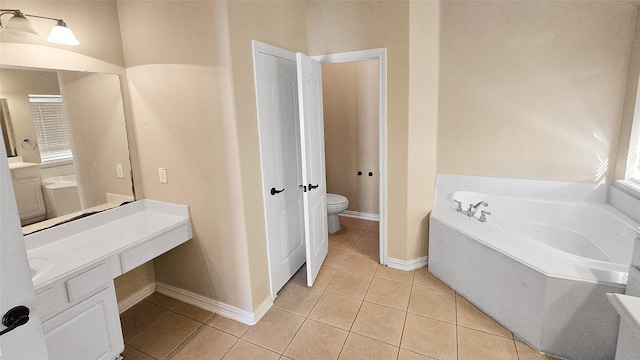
(483, 216)
(458, 206)
(471, 210)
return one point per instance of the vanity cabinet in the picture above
(75, 296)
(93, 324)
(81, 307)
(28, 189)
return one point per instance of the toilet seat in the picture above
(335, 200)
(335, 205)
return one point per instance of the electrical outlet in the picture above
(162, 174)
(119, 171)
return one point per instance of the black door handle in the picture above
(274, 191)
(15, 317)
(311, 187)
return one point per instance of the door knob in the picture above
(15, 317)
(274, 191)
(311, 187)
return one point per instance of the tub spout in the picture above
(473, 208)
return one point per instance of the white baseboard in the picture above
(360, 215)
(136, 297)
(408, 265)
(228, 311)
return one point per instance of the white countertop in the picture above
(92, 239)
(20, 165)
(16, 162)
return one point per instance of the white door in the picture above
(16, 288)
(313, 170)
(278, 123)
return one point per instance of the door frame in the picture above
(380, 55)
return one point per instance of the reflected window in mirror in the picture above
(50, 122)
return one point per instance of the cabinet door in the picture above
(29, 198)
(89, 330)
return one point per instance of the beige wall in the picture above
(532, 89)
(93, 105)
(422, 133)
(180, 83)
(350, 93)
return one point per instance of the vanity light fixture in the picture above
(19, 24)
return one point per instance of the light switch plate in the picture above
(119, 171)
(162, 174)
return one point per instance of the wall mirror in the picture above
(67, 143)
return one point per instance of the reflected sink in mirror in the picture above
(38, 267)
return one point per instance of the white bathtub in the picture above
(542, 262)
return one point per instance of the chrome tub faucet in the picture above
(473, 208)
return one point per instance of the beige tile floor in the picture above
(357, 309)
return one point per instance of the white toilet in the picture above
(335, 205)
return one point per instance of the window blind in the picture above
(52, 132)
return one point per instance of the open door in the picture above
(313, 170)
(23, 340)
(279, 129)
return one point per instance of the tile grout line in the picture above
(230, 347)
(361, 300)
(404, 326)
(177, 346)
(184, 340)
(148, 326)
(258, 345)
(455, 301)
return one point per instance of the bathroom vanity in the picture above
(27, 186)
(73, 266)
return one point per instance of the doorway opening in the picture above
(358, 181)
